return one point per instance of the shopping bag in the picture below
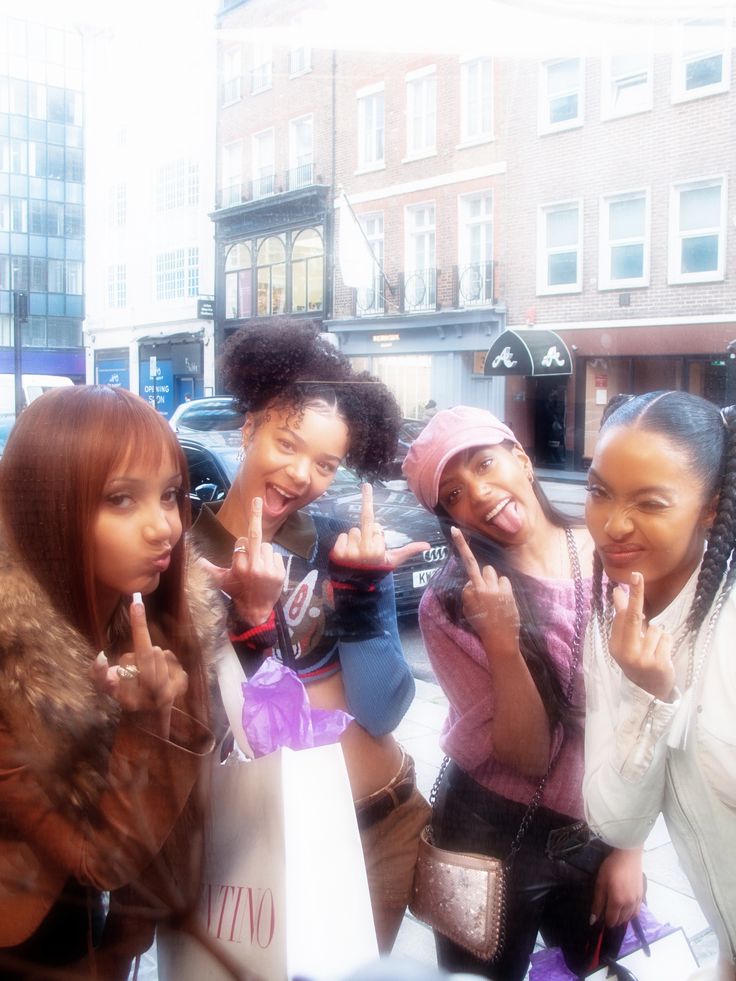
(670, 957)
(285, 891)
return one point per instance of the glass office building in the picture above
(42, 195)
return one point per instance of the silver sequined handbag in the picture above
(461, 895)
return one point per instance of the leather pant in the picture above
(546, 892)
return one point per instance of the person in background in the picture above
(660, 665)
(328, 587)
(429, 410)
(503, 624)
(104, 718)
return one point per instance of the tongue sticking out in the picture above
(508, 518)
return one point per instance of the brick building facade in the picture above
(589, 197)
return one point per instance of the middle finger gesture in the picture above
(365, 546)
(643, 651)
(255, 579)
(488, 600)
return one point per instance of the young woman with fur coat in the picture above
(100, 753)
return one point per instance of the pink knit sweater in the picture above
(460, 665)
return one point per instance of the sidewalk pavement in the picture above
(669, 896)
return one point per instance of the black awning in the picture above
(528, 352)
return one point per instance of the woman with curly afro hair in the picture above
(311, 583)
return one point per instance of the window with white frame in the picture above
(370, 128)
(697, 231)
(371, 299)
(232, 174)
(117, 204)
(238, 282)
(559, 258)
(263, 171)
(624, 245)
(420, 276)
(301, 151)
(232, 75)
(177, 274)
(300, 60)
(307, 271)
(626, 85)
(193, 271)
(271, 277)
(561, 94)
(177, 185)
(475, 259)
(421, 112)
(117, 290)
(261, 76)
(701, 64)
(476, 100)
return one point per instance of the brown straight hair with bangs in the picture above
(58, 459)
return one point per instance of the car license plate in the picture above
(421, 577)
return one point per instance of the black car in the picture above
(213, 460)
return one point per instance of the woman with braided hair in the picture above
(503, 623)
(659, 665)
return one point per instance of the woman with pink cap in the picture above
(503, 623)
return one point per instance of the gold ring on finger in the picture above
(128, 672)
(241, 548)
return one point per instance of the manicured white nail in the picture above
(593, 920)
(101, 659)
(137, 598)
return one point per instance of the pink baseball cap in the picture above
(446, 434)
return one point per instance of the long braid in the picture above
(722, 538)
(597, 597)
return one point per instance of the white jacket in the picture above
(643, 756)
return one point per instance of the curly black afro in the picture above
(291, 362)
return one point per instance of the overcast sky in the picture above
(513, 27)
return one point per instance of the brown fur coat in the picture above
(47, 699)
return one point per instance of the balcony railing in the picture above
(261, 77)
(475, 284)
(263, 187)
(371, 301)
(232, 90)
(267, 185)
(420, 290)
(301, 176)
(299, 60)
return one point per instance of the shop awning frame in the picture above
(531, 352)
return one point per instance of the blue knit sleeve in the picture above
(379, 686)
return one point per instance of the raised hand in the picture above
(643, 651)
(146, 680)
(488, 601)
(255, 579)
(365, 546)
